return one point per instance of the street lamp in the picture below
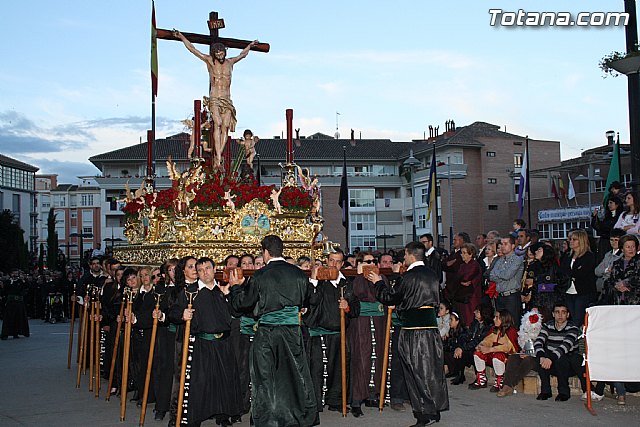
(80, 236)
(412, 163)
(589, 179)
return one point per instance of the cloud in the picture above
(19, 134)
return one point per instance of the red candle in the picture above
(289, 116)
(197, 106)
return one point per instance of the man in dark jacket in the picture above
(416, 297)
(278, 291)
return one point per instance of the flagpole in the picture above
(435, 198)
(528, 195)
(346, 202)
(154, 87)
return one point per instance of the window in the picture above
(600, 185)
(493, 207)
(362, 198)
(626, 179)
(74, 214)
(425, 195)
(491, 153)
(492, 180)
(87, 230)
(362, 222)
(517, 160)
(86, 200)
(15, 206)
(422, 221)
(364, 242)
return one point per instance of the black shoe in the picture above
(356, 411)
(543, 396)
(372, 403)
(15, 337)
(562, 397)
(159, 415)
(4, 338)
(316, 421)
(427, 422)
(459, 379)
(139, 403)
(236, 419)
(335, 408)
(476, 386)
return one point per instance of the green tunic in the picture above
(282, 390)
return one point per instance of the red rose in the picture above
(533, 319)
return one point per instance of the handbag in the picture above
(546, 287)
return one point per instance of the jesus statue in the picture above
(220, 106)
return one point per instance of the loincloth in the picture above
(224, 105)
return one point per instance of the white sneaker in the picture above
(594, 396)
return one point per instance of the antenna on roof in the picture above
(337, 134)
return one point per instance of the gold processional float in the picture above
(216, 211)
(215, 207)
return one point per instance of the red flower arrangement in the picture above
(211, 195)
(533, 319)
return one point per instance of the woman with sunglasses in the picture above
(359, 336)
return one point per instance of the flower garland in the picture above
(210, 195)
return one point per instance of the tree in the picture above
(52, 241)
(41, 257)
(12, 243)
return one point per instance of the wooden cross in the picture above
(214, 25)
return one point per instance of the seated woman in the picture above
(444, 318)
(455, 365)
(470, 338)
(495, 348)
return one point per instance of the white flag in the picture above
(572, 192)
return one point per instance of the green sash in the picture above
(419, 318)
(284, 316)
(172, 328)
(246, 326)
(212, 337)
(316, 332)
(394, 319)
(371, 309)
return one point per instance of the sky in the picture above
(75, 74)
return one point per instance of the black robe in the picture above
(282, 391)
(420, 350)
(143, 306)
(15, 320)
(213, 386)
(323, 321)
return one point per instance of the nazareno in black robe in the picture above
(214, 386)
(282, 391)
(420, 350)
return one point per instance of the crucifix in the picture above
(221, 109)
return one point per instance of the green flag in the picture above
(614, 172)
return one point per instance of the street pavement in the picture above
(36, 389)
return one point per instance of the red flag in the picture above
(154, 51)
(554, 191)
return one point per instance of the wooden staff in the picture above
(152, 347)
(185, 355)
(385, 360)
(97, 349)
(81, 340)
(343, 356)
(92, 324)
(125, 359)
(588, 403)
(73, 319)
(114, 355)
(85, 334)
